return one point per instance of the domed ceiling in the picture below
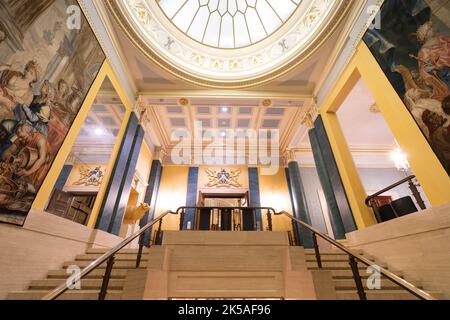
(228, 43)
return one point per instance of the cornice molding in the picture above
(360, 22)
(117, 12)
(97, 17)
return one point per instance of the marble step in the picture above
(86, 284)
(96, 274)
(335, 265)
(349, 284)
(123, 251)
(331, 252)
(328, 257)
(68, 295)
(376, 295)
(119, 256)
(117, 264)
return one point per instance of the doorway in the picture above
(76, 207)
(378, 158)
(224, 212)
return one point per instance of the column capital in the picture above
(289, 156)
(310, 114)
(159, 154)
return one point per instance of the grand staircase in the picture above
(338, 263)
(212, 250)
(90, 286)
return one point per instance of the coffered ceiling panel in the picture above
(167, 115)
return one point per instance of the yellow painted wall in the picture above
(172, 194)
(274, 193)
(144, 163)
(424, 163)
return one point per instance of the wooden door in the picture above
(59, 203)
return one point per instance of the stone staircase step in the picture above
(118, 257)
(117, 265)
(68, 295)
(331, 252)
(329, 257)
(349, 284)
(376, 295)
(96, 274)
(343, 259)
(123, 251)
(334, 265)
(86, 284)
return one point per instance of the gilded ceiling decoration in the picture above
(228, 43)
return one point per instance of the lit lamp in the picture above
(400, 160)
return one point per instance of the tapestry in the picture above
(49, 58)
(411, 42)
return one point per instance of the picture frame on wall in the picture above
(49, 59)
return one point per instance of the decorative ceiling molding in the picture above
(357, 26)
(97, 16)
(374, 157)
(316, 24)
(205, 93)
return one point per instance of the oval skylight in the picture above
(228, 24)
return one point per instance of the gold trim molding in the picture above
(337, 15)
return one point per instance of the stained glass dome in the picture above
(228, 24)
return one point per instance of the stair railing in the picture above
(354, 258)
(109, 258)
(371, 200)
(217, 212)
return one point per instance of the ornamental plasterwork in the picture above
(223, 178)
(146, 20)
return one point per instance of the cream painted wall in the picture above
(274, 193)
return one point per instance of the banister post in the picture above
(316, 250)
(141, 247)
(182, 219)
(357, 278)
(158, 232)
(416, 194)
(269, 220)
(294, 233)
(106, 277)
